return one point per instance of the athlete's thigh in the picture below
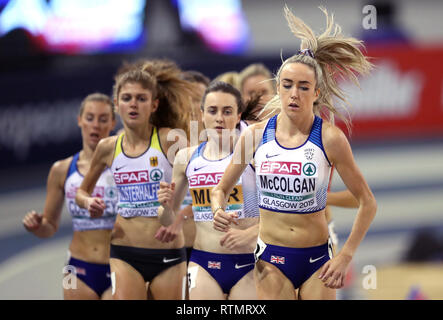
(127, 282)
(79, 291)
(170, 284)
(202, 286)
(244, 289)
(271, 283)
(314, 289)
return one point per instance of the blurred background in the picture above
(55, 52)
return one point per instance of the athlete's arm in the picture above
(344, 199)
(340, 154)
(171, 195)
(243, 154)
(236, 238)
(169, 233)
(46, 225)
(101, 159)
(172, 140)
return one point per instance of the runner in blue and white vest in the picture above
(87, 271)
(221, 264)
(293, 157)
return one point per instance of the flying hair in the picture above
(334, 57)
(174, 93)
(165, 81)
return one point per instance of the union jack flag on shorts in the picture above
(277, 259)
(214, 264)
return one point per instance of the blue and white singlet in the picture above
(203, 175)
(292, 180)
(105, 188)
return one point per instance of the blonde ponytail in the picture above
(332, 56)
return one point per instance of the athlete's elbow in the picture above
(374, 205)
(371, 205)
(48, 229)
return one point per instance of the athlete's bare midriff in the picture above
(189, 232)
(293, 230)
(140, 232)
(208, 239)
(91, 245)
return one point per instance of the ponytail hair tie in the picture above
(306, 52)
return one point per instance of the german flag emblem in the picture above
(153, 161)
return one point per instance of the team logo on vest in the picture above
(131, 177)
(153, 161)
(156, 174)
(309, 153)
(280, 167)
(111, 192)
(205, 179)
(309, 169)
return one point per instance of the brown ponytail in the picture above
(164, 79)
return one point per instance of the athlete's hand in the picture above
(166, 194)
(234, 238)
(167, 234)
(222, 220)
(334, 271)
(32, 221)
(96, 206)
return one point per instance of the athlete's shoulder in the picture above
(184, 155)
(334, 139)
(258, 125)
(169, 137)
(107, 144)
(104, 152)
(254, 133)
(255, 130)
(59, 171)
(61, 166)
(331, 133)
(164, 132)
